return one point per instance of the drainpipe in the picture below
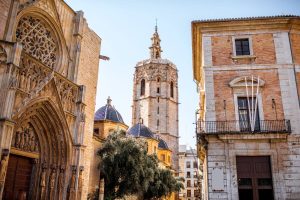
(294, 66)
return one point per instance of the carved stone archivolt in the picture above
(38, 40)
(25, 139)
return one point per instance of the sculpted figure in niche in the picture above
(17, 139)
(4, 162)
(52, 183)
(43, 183)
(22, 142)
(3, 167)
(72, 194)
(61, 182)
(22, 80)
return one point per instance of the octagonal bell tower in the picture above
(155, 96)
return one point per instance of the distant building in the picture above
(248, 131)
(188, 169)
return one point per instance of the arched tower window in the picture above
(158, 79)
(142, 87)
(172, 89)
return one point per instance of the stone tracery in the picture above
(3, 55)
(37, 40)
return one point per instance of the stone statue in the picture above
(72, 194)
(4, 163)
(22, 142)
(3, 167)
(22, 80)
(17, 140)
(43, 183)
(61, 183)
(52, 183)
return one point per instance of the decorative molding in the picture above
(240, 82)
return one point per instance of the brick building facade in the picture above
(248, 73)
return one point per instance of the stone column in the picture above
(101, 189)
(8, 85)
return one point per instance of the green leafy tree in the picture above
(127, 169)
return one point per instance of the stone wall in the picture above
(4, 7)
(88, 76)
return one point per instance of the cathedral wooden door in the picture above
(17, 182)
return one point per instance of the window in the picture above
(195, 183)
(163, 157)
(158, 99)
(157, 123)
(195, 164)
(188, 193)
(196, 193)
(96, 131)
(242, 47)
(188, 164)
(172, 89)
(188, 174)
(195, 174)
(154, 149)
(245, 111)
(169, 159)
(158, 80)
(157, 110)
(158, 90)
(143, 87)
(188, 183)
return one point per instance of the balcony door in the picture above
(245, 110)
(254, 178)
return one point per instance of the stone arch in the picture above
(52, 168)
(55, 32)
(241, 81)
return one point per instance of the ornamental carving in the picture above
(32, 74)
(3, 55)
(68, 93)
(37, 40)
(25, 139)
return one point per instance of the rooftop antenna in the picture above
(156, 25)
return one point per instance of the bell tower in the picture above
(155, 96)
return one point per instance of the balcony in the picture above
(243, 127)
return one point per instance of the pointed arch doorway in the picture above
(39, 161)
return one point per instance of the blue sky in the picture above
(126, 27)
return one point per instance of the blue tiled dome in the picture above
(140, 130)
(162, 144)
(108, 112)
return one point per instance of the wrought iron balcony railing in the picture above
(223, 127)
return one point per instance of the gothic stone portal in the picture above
(36, 165)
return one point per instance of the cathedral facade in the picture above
(155, 97)
(49, 61)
